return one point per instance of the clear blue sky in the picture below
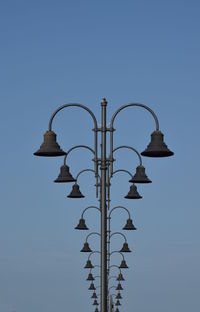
(54, 52)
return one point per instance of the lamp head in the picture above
(129, 226)
(81, 225)
(140, 176)
(86, 248)
(125, 248)
(90, 277)
(94, 295)
(118, 303)
(133, 193)
(96, 310)
(64, 175)
(119, 287)
(123, 265)
(118, 296)
(117, 310)
(120, 278)
(95, 302)
(75, 193)
(88, 265)
(92, 287)
(49, 147)
(157, 146)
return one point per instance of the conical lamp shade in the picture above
(117, 310)
(90, 277)
(125, 248)
(75, 193)
(88, 265)
(140, 176)
(94, 295)
(133, 193)
(81, 225)
(157, 146)
(118, 296)
(95, 302)
(96, 310)
(119, 287)
(129, 226)
(86, 248)
(50, 147)
(64, 175)
(92, 287)
(118, 303)
(120, 277)
(123, 265)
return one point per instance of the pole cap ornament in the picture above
(50, 148)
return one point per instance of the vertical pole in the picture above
(103, 209)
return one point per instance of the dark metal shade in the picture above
(133, 193)
(50, 147)
(95, 302)
(120, 277)
(75, 193)
(119, 287)
(157, 146)
(129, 226)
(125, 248)
(140, 176)
(64, 175)
(86, 248)
(81, 225)
(96, 310)
(117, 310)
(90, 277)
(123, 265)
(94, 295)
(92, 287)
(88, 265)
(118, 296)
(118, 303)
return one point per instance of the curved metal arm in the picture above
(112, 277)
(89, 207)
(116, 251)
(85, 170)
(111, 288)
(75, 147)
(113, 119)
(119, 233)
(97, 276)
(121, 208)
(122, 170)
(114, 266)
(95, 126)
(93, 252)
(93, 233)
(131, 148)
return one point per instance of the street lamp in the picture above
(104, 171)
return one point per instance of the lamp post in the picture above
(103, 167)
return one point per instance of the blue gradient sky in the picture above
(54, 52)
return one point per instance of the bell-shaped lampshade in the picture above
(123, 265)
(90, 277)
(119, 287)
(88, 265)
(129, 226)
(157, 146)
(133, 193)
(92, 287)
(140, 176)
(86, 248)
(120, 278)
(95, 302)
(64, 175)
(125, 248)
(96, 310)
(50, 147)
(75, 193)
(81, 225)
(118, 303)
(117, 310)
(94, 295)
(118, 296)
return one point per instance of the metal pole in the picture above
(103, 209)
